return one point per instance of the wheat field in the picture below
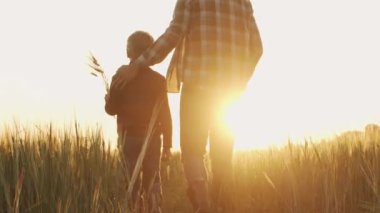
(43, 169)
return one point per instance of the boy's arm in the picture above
(112, 99)
(107, 105)
(110, 106)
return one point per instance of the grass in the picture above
(63, 172)
(74, 170)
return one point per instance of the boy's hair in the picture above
(139, 41)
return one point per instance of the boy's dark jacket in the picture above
(134, 104)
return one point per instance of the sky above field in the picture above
(319, 74)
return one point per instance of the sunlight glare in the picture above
(233, 115)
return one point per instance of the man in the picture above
(217, 47)
(133, 106)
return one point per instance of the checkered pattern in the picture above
(217, 43)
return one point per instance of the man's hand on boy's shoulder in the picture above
(124, 75)
(166, 154)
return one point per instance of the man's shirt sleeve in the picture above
(169, 40)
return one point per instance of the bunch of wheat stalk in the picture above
(97, 70)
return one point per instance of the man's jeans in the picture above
(151, 180)
(201, 120)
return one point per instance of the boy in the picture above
(133, 105)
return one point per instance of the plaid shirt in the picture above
(217, 44)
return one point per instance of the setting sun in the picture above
(239, 116)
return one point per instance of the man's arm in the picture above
(163, 45)
(171, 37)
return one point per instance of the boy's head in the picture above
(137, 43)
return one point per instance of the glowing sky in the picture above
(319, 74)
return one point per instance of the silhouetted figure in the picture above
(217, 47)
(133, 106)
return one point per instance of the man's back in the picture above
(217, 43)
